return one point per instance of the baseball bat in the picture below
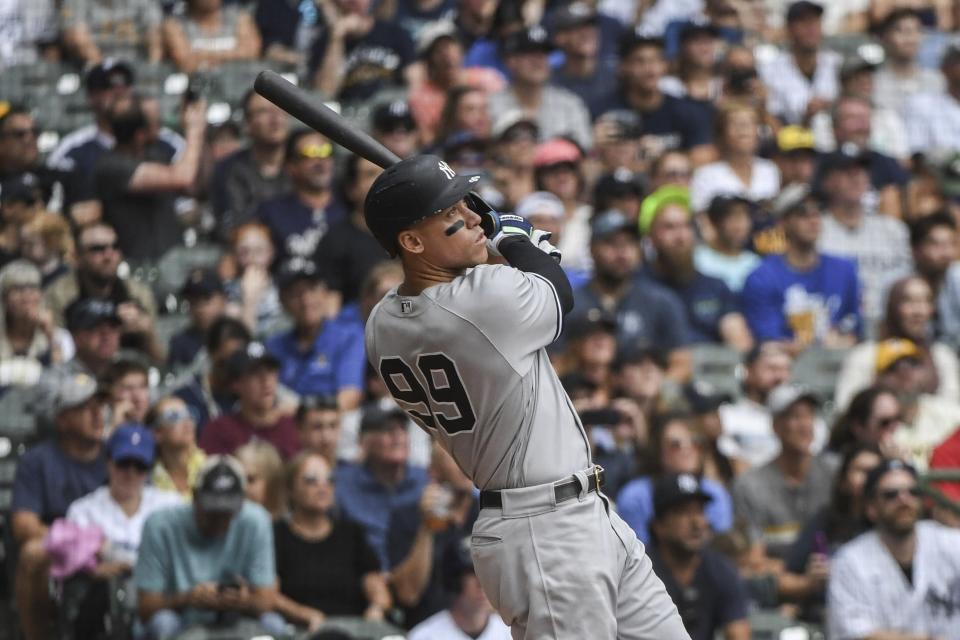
(318, 116)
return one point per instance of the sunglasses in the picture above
(174, 416)
(889, 421)
(103, 247)
(313, 480)
(130, 464)
(316, 151)
(889, 495)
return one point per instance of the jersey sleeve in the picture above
(518, 311)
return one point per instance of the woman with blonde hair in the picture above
(46, 241)
(264, 470)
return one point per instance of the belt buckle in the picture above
(596, 475)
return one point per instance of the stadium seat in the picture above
(817, 369)
(717, 365)
(174, 266)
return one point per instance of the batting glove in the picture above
(510, 225)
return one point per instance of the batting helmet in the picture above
(409, 191)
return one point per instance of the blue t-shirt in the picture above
(781, 303)
(706, 300)
(184, 347)
(291, 23)
(297, 229)
(635, 506)
(678, 122)
(175, 556)
(714, 599)
(336, 361)
(648, 315)
(48, 480)
(884, 171)
(369, 503)
(591, 90)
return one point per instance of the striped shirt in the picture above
(790, 90)
(933, 122)
(868, 591)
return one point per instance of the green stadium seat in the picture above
(717, 365)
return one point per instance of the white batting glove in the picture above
(509, 225)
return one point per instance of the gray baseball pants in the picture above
(569, 571)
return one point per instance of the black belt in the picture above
(564, 490)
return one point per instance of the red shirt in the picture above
(947, 456)
(229, 432)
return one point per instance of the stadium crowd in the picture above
(757, 202)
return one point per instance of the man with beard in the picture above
(901, 580)
(648, 315)
(298, 220)
(711, 307)
(703, 584)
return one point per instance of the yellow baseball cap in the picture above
(654, 203)
(892, 350)
(794, 138)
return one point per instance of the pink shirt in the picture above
(226, 434)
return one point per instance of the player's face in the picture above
(452, 240)
(895, 507)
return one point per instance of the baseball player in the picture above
(460, 345)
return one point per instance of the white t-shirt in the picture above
(440, 626)
(868, 591)
(718, 179)
(121, 531)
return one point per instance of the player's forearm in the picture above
(521, 254)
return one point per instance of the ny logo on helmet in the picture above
(446, 169)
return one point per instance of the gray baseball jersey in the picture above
(466, 360)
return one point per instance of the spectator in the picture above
(621, 189)
(558, 170)
(264, 470)
(668, 122)
(704, 585)
(209, 394)
(748, 436)
(618, 147)
(894, 580)
(95, 29)
(803, 78)
(671, 168)
(30, 32)
(49, 477)
(119, 511)
(584, 72)
(21, 201)
(710, 306)
(47, 242)
(704, 402)
(742, 84)
(872, 417)
(645, 312)
(179, 459)
(933, 239)
(879, 129)
(842, 520)
(252, 295)
(137, 193)
(97, 278)
(674, 449)
(245, 178)
(545, 211)
(777, 498)
(299, 220)
(469, 614)
(348, 249)
(558, 112)
(901, 76)
(440, 49)
(206, 34)
(591, 349)
(933, 118)
(370, 490)
(288, 31)
(29, 339)
(319, 426)
(324, 564)
(725, 255)
(927, 419)
(909, 315)
(206, 299)
(19, 155)
(382, 278)
(128, 393)
(795, 155)
(878, 243)
(77, 154)
(640, 377)
(320, 354)
(209, 561)
(359, 54)
(422, 535)
(696, 66)
(739, 171)
(253, 372)
(803, 296)
(392, 125)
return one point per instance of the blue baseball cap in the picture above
(132, 442)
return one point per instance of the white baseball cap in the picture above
(540, 203)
